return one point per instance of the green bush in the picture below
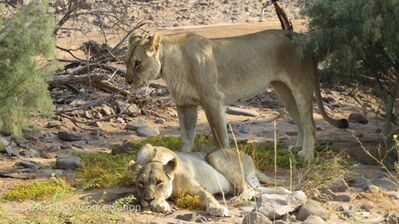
(358, 41)
(26, 64)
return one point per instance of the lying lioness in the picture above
(159, 172)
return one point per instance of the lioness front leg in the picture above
(208, 201)
(216, 115)
(187, 121)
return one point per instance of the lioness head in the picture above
(154, 183)
(142, 61)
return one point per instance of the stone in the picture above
(367, 206)
(33, 165)
(147, 131)
(4, 141)
(68, 162)
(309, 209)
(346, 210)
(126, 147)
(31, 153)
(275, 206)
(186, 217)
(53, 124)
(66, 145)
(357, 118)
(136, 124)
(255, 218)
(107, 110)
(338, 185)
(313, 219)
(372, 189)
(385, 183)
(361, 182)
(132, 110)
(393, 195)
(69, 136)
(279, 222)
(53, 148)
(159, 120)
(343, 197)
(240, 111)
(12, 149)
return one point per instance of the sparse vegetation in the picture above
(37, 190)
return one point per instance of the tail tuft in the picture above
(343, 123)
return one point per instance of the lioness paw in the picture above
(243, 198)
(162, 207)
(217, 210)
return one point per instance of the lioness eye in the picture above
(137, 64)
(141, 185)
(159, 182)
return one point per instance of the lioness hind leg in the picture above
(187, 122)
(291, 106)
(304, 100)
(215, 113)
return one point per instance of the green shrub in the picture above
(26, 63)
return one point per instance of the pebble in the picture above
(367, 206)
(255, 217)
(31, 153)
(357, 118)
(53, 124)
(313, 219)
(393, 195)
(338, 185)
(361, 182)
(69, 136)
(29, 164)
(307, 210)
(147, 131)
(68, 162)
(136, 124)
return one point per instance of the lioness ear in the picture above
(145, 154)
(170, 167)
(154, 43)
(134, 168)
(133, 39)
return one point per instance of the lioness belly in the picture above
(207, 176)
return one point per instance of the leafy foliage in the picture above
(358, 41)
(26, 54)
(37, 190)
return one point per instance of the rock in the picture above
(54, 148)
(279, 222)
(186, 217)
(21, 142)
(3, 141)
(159, 120)
(392, 218)
(12, 149)
(126, 147)
(313, 219)
(66, 145)
(346, 210)
(367, 206)
(361, 182)
(372, 188)
(69, 136)
(107, 110)
(393, 195)
(53, 124)
(136, 124)
(31, 153)
(338, 185)
(385, 183)
(68, 162)
(29, 164)
(132, 110)
(307, 210)
(275, 206)
(240, 111)
(357, 118)
(255, 218)
(79, 144)
(336, 197)
(147, 131)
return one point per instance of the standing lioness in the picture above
(215, 72)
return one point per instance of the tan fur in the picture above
(158, 172)
(215, 72)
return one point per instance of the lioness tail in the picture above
(339, 123)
